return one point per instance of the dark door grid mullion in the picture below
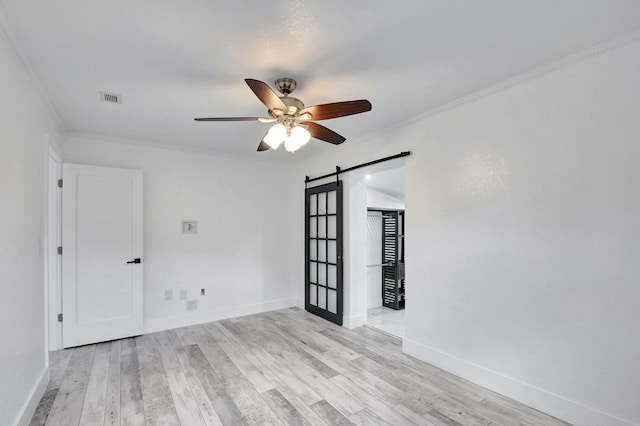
(317, 247)
(326, 250)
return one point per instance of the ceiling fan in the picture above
(294, 123)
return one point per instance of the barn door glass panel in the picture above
(323, 252)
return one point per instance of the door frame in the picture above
(53, 260)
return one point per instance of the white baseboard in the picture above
(355, 321)
(29, 408)
(540, 399)
(160, 324)
(374, 303)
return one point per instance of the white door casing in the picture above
(54, 261)
(101, 232)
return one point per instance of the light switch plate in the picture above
(189, 226)
(183, 294)
(192, 305)
(168, 295)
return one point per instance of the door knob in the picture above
(136, 260)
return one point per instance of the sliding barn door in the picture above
(323, 251)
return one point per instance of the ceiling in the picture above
(173, 61)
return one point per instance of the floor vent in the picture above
(110, 97)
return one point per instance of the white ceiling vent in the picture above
(110, 97)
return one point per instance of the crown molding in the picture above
(7, 31)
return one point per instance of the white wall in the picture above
(355, 250)
(24, 124)
(523, 237)
(526, 238)
(374, 259)
(240, 254)
(380, 200)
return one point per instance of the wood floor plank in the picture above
(305, 411)
(156, 395)
(306, 353)
(112, 408)
(44, 407)
(185, 336)
(318, 340)
(379, 336)
(76, 376)
(185, 403)
(411, 415)
(95, 397)
(335, 396)
(287, 384)
(375, 405)
(284, 374)
(132, 406)
(257, 379)
(440, 419)
(66, 409)
(248, 400)
(94, 418)
(361, 349)
(205, 406)
(367, 417)
(378, 387)
(224, 405)
(283, 408)
(58, 362)
(135, 420)
(330, 415)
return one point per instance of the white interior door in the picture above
(101, 235)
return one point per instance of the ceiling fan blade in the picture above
(320, 132)
(229, 119)
(337, 109)
(266, 94)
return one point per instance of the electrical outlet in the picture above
(183, 294)
(192, 305)
(168, 295)
(202, 292)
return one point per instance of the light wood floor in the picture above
(281, 367)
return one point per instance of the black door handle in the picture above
(136, 260)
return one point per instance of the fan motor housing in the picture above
(286, 85)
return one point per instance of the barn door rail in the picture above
(370, 163)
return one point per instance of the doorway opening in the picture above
(385, 251)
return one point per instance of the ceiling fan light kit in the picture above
(294, 123)
(293, 137)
